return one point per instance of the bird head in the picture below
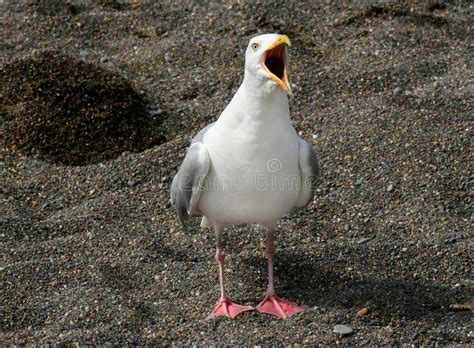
(266, 58)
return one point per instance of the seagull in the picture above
(249, 166)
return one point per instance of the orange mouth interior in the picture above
(274, 62)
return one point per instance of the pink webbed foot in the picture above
(278, 307)
(225, 308)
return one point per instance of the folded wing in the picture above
(188, 183)
(309, 169)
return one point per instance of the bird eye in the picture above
(255, 46)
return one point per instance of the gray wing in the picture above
(188, 183)
(309, 168)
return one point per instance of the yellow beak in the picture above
(283, 39)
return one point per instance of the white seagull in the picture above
(249, 166)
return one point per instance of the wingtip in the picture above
(182, 213)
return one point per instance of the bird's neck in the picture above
(263, 99)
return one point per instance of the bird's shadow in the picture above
(300, 279)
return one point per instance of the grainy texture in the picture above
(95, 254)
(72, 112)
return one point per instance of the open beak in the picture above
(275, 60)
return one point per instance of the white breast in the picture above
(254, 175)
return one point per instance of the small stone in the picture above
(363, 312)
(83, 53)
(466, 305)
(358, 182)
(157, 112)
(343, 330)
(160, 31)
(390, 187)
(417, 334)
(389, 329)
(168, 58)
(364, 240)
(132, 182)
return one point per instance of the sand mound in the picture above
(73, 112)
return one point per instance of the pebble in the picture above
(390, 187)
(157, 112)
(364, 240)
(132, 182)
(417, 334)
(343, 330)
(389, 329)
(363, 312)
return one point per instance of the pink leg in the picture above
(272, 304)
(225, 307)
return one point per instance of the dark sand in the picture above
(91, 251)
